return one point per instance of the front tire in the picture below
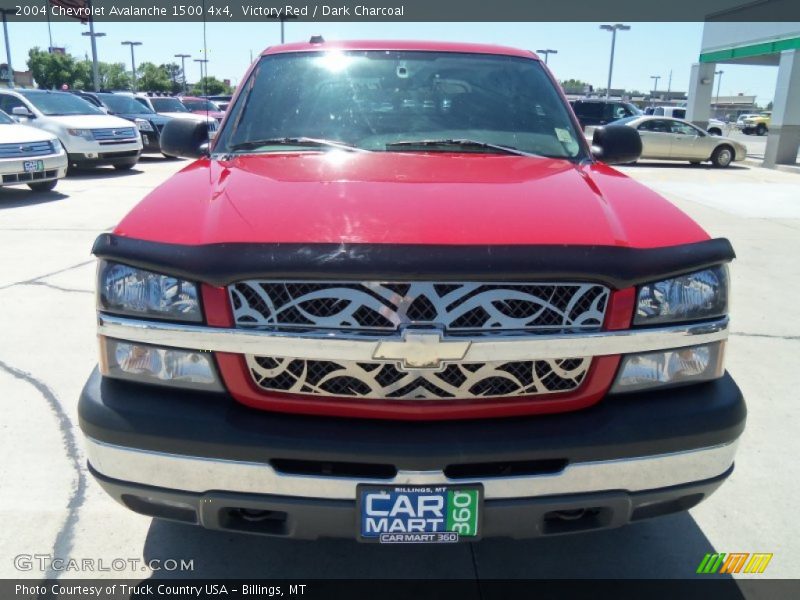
(722, 157)
(43, 186)
(761, 129)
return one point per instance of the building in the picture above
(753, 43)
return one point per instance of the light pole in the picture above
(133, 60)
(202, 62)
(94, 36)
(655, 89)
(183, 58)
(719, 83)
(613, 29)
(5, 12)
(546, 53)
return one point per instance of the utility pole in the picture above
(546, 53)
(613, 29)
(202, 62)
(655, 89)
(49, 29)
(94, 36)
(669, 84)
(133, 60)
(5, 12)
(183, 58)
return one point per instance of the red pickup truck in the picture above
(400, 298)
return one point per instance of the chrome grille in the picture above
(24, 149)
(104, 135)
(382, 380)
(458, 307)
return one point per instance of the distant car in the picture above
(676, 112)
(172, 107)
(91, 137)
(675, 139)
(30, 156)
(202, 107)
(147, 121)
(591, 111)
(221, 101)
(758, 124)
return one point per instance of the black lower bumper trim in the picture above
(216, 426)
(313, 518)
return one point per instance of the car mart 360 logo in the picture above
(735, 562)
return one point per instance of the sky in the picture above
(583, 48)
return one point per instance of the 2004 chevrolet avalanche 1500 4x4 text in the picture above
(399, 298)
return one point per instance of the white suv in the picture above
(90, 137)
(29, 156)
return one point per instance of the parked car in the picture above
(400, 299)
(716, 127)
(90, 137)
(30, 156)
(222, 102)
(169, 106)
(757, 124)
(202, 107)
(595, 111)
(742, 118)
(146, 120)
(676, 139)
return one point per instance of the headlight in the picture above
(81, 133)
(670, 367)
(163, 366)
(127, 290)
(144, 125)
(699, 295)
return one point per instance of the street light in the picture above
(546, 53)
(202, 62)
(5, 12)
(183, 58)
(655, 89)
(719, 83)
(133, 60)
(94, 36)
(613, 29)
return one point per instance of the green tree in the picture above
(573, 84)
(210, 86)
(113, 76)
(51, 71)
(152, 78)
(175, 75)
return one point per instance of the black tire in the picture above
(722, 157)
(715, 131)
(43, 186)
(125, 166)
(169, 156)
(761, 129)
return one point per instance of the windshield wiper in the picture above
(296, 141)
(460, 143)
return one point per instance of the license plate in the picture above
(419, 514)
(33, 165)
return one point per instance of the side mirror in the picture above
(185, 138)
(616, 144)
(21, 111)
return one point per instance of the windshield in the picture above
(200, 105)
(5, 119)
(123, 104)
(168, 105)
(374, 100)
(61, 103)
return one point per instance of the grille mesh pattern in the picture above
(387, 381)
(456, 307)
(24, 149)
(113, 134)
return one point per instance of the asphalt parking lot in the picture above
(49, 505)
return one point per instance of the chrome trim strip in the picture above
(197, 474)
(321, 345)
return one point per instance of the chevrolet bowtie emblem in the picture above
(421, 349)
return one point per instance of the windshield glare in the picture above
(61, 103)
(371, 99)
(168, 105)
(123, 104)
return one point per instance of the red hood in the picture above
(333, 197)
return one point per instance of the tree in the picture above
(113, 76)
(51, 71)
(573, 84)
(175, 74)
(210, 86)
(153, 78)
